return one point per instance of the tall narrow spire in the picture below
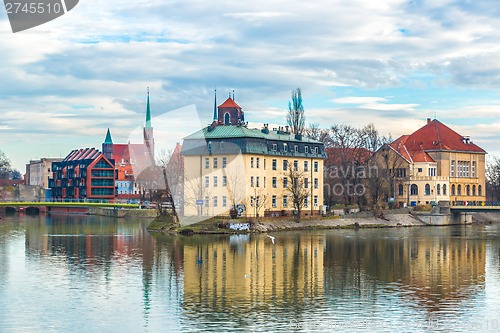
(215, 105)
(148, 114)
(108, 139)
(233, 95)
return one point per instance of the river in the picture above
(98, 274)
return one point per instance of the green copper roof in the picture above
(108, 138)
(233, 131)
(148, 114)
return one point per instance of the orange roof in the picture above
(434, 136)
(229, 103)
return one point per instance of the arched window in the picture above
(467, 190)
(480, 190)
(444, 189)
(226, 119)
(427, 189)
(459, 190)
(400, 189)
(474, 190)
(438, 189)
(453, 189)
(414, 189)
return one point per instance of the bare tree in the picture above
(4, 166)
(295, 117)
(172, 167)
(296, 186)
(236, 186)
(493, 177)
(259, 200)
(194, 190)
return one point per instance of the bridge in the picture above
(483, 208)
(65, 204)
(35, 207)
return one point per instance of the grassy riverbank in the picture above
(221, 226)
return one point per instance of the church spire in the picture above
(215, 105)
(108, 139)
(148, 114)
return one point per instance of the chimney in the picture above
(428, 120)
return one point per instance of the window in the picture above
(207, 163)
(285, 165)
(224, 201)
(264, 182)
(306, 166)
(419, 170)
(224, 181)
(315, 201)
(427, 189)
(252, 199)
(479, 190)
(315, 150)
(206, 201)
(274, 164)
(432, 172)
(285, 147)
(215, 181)
(215, 201)
(275, 147)
(296, 148)
(285, 201)
(473, 169)
(316, 166)
(273, 201)
(316, 183)
(306, 201)
(224, 162)
(413, 189)
(401, 173)
(264, 164)
(400, 189)
(251, 162)
(251, 181)
(467, 190)
(285, 182)
(438, 189)
(306, 149)
(306, 182)
(221, 145)
(216, 162)
(257, 181)
(453, 189)
(459, 190)
(274, 182)
(209, 145)
(207, 181)
(258, 162)
(473, 190)
(295, 165)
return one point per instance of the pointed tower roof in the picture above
(229, 103)
(148, 114)
(215, 105)
(108, 139)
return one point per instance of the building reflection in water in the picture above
(218, 278)
(434, 268)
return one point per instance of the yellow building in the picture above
(436, 164)
(256, 171)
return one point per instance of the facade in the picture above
(228, 165)
(39, 171)
(83, 174)
(436, 164)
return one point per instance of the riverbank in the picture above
(241, 225)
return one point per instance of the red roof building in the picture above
(438, 164)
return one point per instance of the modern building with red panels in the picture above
(83, 174)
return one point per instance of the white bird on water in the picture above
(272, 238)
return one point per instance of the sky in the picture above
(391, 63)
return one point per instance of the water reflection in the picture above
(242, 282)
